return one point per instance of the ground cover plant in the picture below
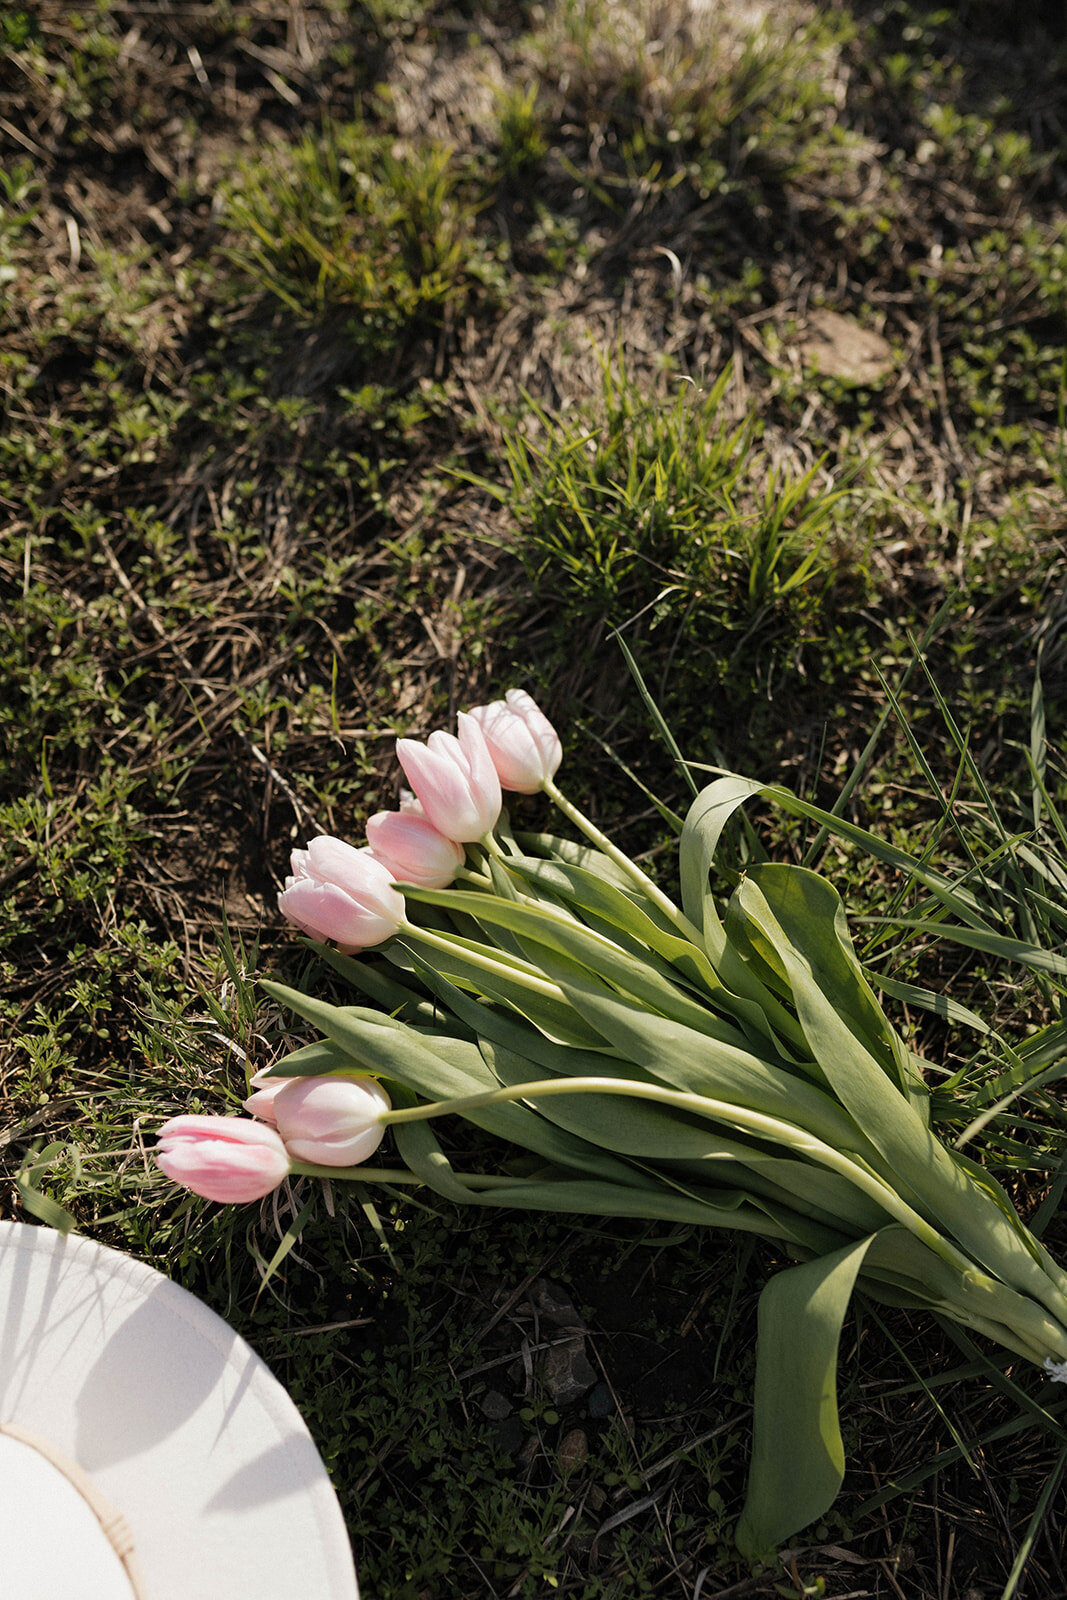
(262, 515)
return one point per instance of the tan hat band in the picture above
(113, 1523)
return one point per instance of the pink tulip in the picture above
(522, 743)
(341, 893)
(332, 1121)
(261, 1103)
(455, 780)
(413, 850)
(222, 1158)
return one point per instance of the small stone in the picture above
(566, 1371)
(840, 347)
(494, 1406)
(553, 1304)
(600, 1403)
(573, 1450)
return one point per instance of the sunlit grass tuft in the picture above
(668, 514)
(344, 221)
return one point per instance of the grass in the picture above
(665, 512)
(343, 221)
(490, 340)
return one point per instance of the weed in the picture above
(344, 222)
(666, 513)
(680, 88)
(520, 131)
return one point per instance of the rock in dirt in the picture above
(553, 1304)
(566, 1371)
(839, 347)
(573, 1450)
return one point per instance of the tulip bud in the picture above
(455, 781)
(341, 893)
(413, 850)
(222, 1158)
(261, 1103)
(522, 743)
(332, 1122)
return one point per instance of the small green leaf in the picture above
(44, 1208)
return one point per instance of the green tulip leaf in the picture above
(798, 1459)
(419, 1147)
(560, 933)
(927, 1175)
(437, 1067)
(710, 815)
(754, 1002)
(688, 1060)
(316, 1060)
(579, 855)
(812, 910)
(553, 1017)
(372, 979)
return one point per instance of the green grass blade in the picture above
(863, 761)
(1019, 951)
(1033, 1527)
(1038, 744)
(658, 719)
(939, 1005)
(286, 1243)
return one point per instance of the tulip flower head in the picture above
(261, 1102)
(413, 850)
(341, 893)
(332, 1122)
(222, 1158)
(455, 781)
(522, 743)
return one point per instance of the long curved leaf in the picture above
(798, 1459)
(925, 1171)
(716, 810)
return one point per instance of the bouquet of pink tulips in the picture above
(728, 1066)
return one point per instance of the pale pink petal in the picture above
(413, 850)
(331, 1121)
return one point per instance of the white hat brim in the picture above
(175, 1419)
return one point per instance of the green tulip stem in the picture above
(513, 972)
(662, 901)
(782, 1133)
(308, 1169)
(398, 1175)
(481, 880)
(491, 845)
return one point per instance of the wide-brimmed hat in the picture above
(144, 1446)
